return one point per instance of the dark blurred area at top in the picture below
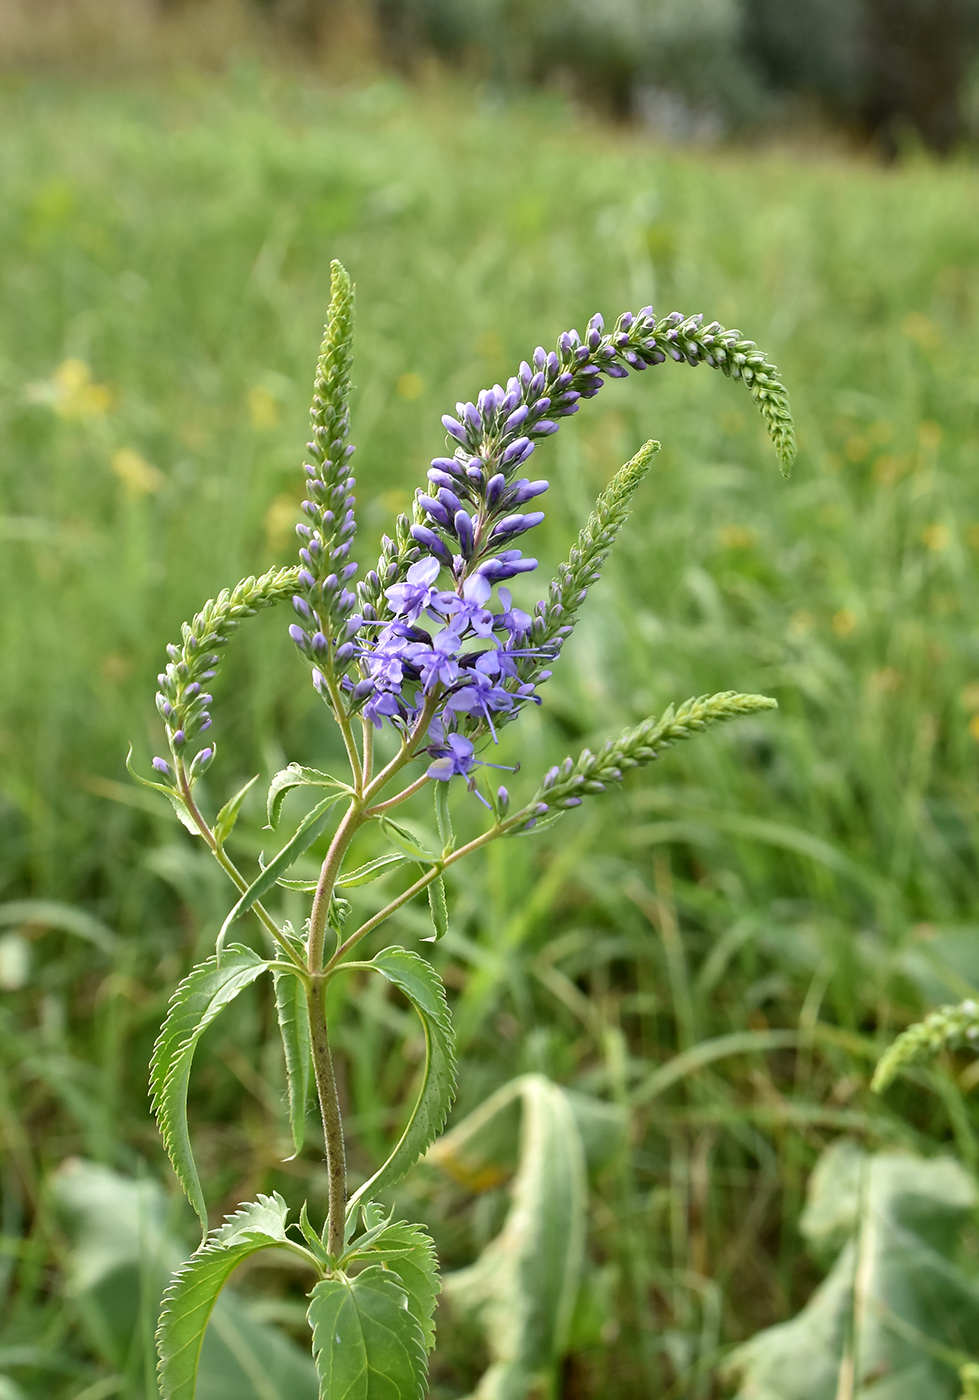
(890, 73)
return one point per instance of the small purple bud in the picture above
(301, 606)
(345, 652)
(431, 542)
(545, 427)
(454, 428)
(540, 357)
(593, 339)
(518, 451)
(178, 739)
(319, 643)
(435, 509)
(502, 800)
(162, 766)
(448, 465)
(518, 416)
(494, 488)
(306, 579)
(615, 372)
(463, 524)
(298, 636)
(517, 524)
(472, 417)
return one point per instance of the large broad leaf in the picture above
(421, 984)
(367, 1342)
(290, 1004)
(524, 1286)
(194, 1289)
(119, 1254)
(201, 997)
(409, 1251)
(896, 1316)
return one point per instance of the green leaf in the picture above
(367, 1343)
(194, 1289)
(296, 776)
(310, 828)
(524, 1287)
(417, 844)
(371, 871)
(201, 997)
(443, 816)
(439, 908)
(225, 820)
(895, 1304)
(290, 1005)
(174, 798)
(408, 1250)
(421, 984)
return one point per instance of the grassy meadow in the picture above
(164, 275)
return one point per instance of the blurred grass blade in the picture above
(706, 1052)
(47, 913)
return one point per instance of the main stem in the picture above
(326, 1089)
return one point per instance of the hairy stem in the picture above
(229, 867)
(343, 721)
(319, 917)
(402, 796)
(422, 883)
(326, 1089)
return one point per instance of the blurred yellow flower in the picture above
(844, 622)
(736, 537)
(138, 477)
(410, 386)
(936, 537)
(72, 393)
(280, 521)
(263, 407)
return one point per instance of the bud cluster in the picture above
(322, 602)
(943, 1027)
(567, 783)
(182, 699)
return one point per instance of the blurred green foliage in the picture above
(722, 948)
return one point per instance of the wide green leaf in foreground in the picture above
(367, 1343)
(897, 1316)
(196, 1285)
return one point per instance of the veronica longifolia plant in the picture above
(431, 646)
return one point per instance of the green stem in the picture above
(326, 1089)
(228, 865)
(402, 796)
(422, 883)
(407, 751)
(353, 818)
(343, 722)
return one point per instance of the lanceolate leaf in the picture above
(311, 826)
(408, 1250)
(367, 1343)
(225, 820)
(421, 984)
(194, 1289)
(371, 871)
(418, 847)
(290, 1004)
(197, 1001)
(296, 776)
(439, 908)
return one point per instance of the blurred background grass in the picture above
(166, 227)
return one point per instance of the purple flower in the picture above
(454, 756)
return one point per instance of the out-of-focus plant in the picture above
(432, 652)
